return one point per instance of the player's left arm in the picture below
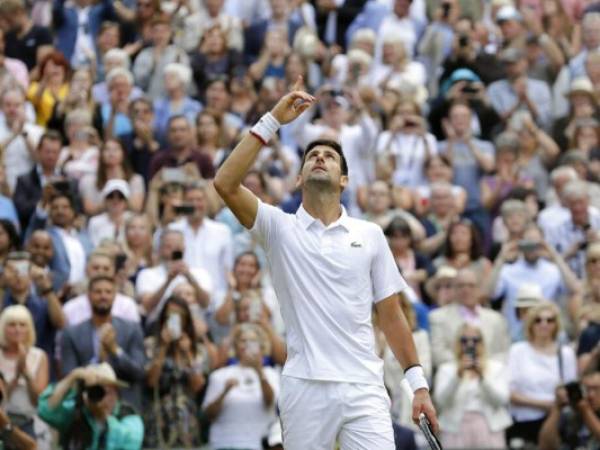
(394, 325)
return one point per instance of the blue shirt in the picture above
(163, 112)
(8, 211)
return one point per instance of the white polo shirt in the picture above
(327, 279)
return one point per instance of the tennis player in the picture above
(328, 271)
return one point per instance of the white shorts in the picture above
(316, 413)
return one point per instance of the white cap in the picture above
(116, 185)
(529, 295)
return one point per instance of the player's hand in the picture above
(422, 404)
(293, 104)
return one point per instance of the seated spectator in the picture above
(18, 136)
(178, 364)
(472, 395)
(24, 285)
(240, 398)
(176, 101)
(536, 367)
(26, 371)
(29, 186)
(586, 135)
(56, 214)
(572, 421)
(150, 63)
(13, 437)
(80, 156)
(443, 211)
(214, 57)
(465, 307)
(155, 284)
(111, 223)
(52, 87)
(440, 287)
(113, 164)
(511, 224)
(208, 244)
(462, 249)
(105, 338)
(142, 143)
(138, 245)
(112, 117)
(518, 91)
(181, 151)
(25, 40)
(86, 409)
(9, 240)
(113, 58)
(271, 61)
(246, 275)
(571, 235)
(530, 260)
(414, 266)
(555, 210)
(79, 308)
(508, 174)
(397, 65)
(438, 169)
(213, 137)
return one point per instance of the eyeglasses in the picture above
(545, 319)
(470, 339)
(141, 110)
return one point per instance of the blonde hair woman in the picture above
(25, 369)
(471, 394)
(536, 367)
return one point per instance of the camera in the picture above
(463, 40)
(574, 392)
(120, 260)
(528, 246)
(61, 185)
(95, 393)
(446, 9)
(186, 210)
(177, 255)
(470, 88)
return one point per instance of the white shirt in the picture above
(78, 309)
(17, 159)
(100, 227)
(210, 247)
(83, 43)
(536, 375)
(243, 420)
(75, 253)
(403, 28)
(151, 279)
(327, 280)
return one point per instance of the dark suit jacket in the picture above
(345, 15)
(77, 350)
(29, 192)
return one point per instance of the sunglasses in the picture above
(470, 339)
(545, 319)
(115, 195)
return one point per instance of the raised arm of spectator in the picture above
(16, 438)
(228, 181)
(569, 278)
(548, 437)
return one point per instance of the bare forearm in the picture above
(223, 313)
(548, 437)
(592, 422)
(484, 161)
(523, 400)
(61, 389)
(55, 312)
(267, 391)
(399, 337)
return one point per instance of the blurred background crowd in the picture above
(137, 312)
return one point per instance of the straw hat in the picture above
(529, 295)
(105, 375)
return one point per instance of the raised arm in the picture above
(228, 181)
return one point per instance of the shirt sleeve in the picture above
(385, 275)
(216, 384)
(267, 224)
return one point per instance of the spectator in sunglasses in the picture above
(537, 366)
(472, 395)
(85, 409)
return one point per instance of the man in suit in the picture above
(334, 17)
(104, 338)
(70, 245)
(446, 321)
(29, 185)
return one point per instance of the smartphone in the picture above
(446, 10)
(470, 89)
(574, 392)
(177, 255)
(425, 426)
(22, 267)
(61, 185)
(253, 348)
(463, 40)
(120, 260)
(186, 210)
(525, 245)
(174, 326)
(173, 175)
(470, 350)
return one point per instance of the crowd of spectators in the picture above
(136, 311)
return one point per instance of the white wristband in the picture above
(416, 378)
(266, 128)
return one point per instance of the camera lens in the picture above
(95, 393)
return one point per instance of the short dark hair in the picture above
(98, 279)
(50, 135)
(327, 143)
(67, 195)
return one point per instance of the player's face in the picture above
(323, 165)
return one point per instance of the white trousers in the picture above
(314, 414)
